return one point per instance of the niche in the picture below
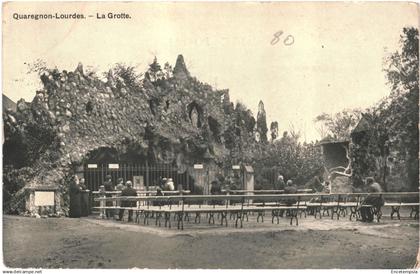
(214, 128)
(195, 113)
(153, 105)
(89, 108)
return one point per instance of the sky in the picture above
(332, 58)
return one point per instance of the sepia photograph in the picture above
(210, 135)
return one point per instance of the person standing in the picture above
(120, 184)
(84, 198)
(109, 187)
(129, 191)
(215, 189)
(82, 184)
(75, 210)
(162, 182)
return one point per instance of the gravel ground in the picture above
(95, 243)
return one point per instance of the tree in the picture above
(126, 76)
(339, 125)
(155, 71)
(168, 70)
(400, 110)
(392, 135)
(244, 117)
(402, 66)
(262, 122)
(274, 130)
(288, 157)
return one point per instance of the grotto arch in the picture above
(92, 124)
(130, 164)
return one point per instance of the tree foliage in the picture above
(155, 72)
(290, 158)
(262, 122)
(339, 125)
(22, 148)
(126, 76)
(274, 130)
(393, 137)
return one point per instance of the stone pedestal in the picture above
(200, 178)
(249, 180)
(34, 205)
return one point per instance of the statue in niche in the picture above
(257, 137)
(194, 117)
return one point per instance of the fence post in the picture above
(188, 180)
(102, 203)
(147, 175)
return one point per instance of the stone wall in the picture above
(175, 120)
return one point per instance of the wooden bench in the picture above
(180, 213)
(183, 207)
(276, 208)
(137, 210)
(395, 209)
(376, 211)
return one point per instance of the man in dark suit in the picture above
(75, 199)
(289, 189)
(279, 183)
(109, 187)
(372, 199)
(215, 189)
(129, 191)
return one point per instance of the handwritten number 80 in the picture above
(288, 41)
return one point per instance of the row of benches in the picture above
(182, 207)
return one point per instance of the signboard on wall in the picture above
(113, 166)
(198, 166)
(138, 182)
(44, 198)
(92, 166)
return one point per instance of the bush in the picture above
(13, 181)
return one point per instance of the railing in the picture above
(145, 192)
(321, 197)
(140, 193)
(147, 175)
(337, 197)
(265, 191)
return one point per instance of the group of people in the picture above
(366, 213)
(166, 184)
(126, 191)
(316, 185)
